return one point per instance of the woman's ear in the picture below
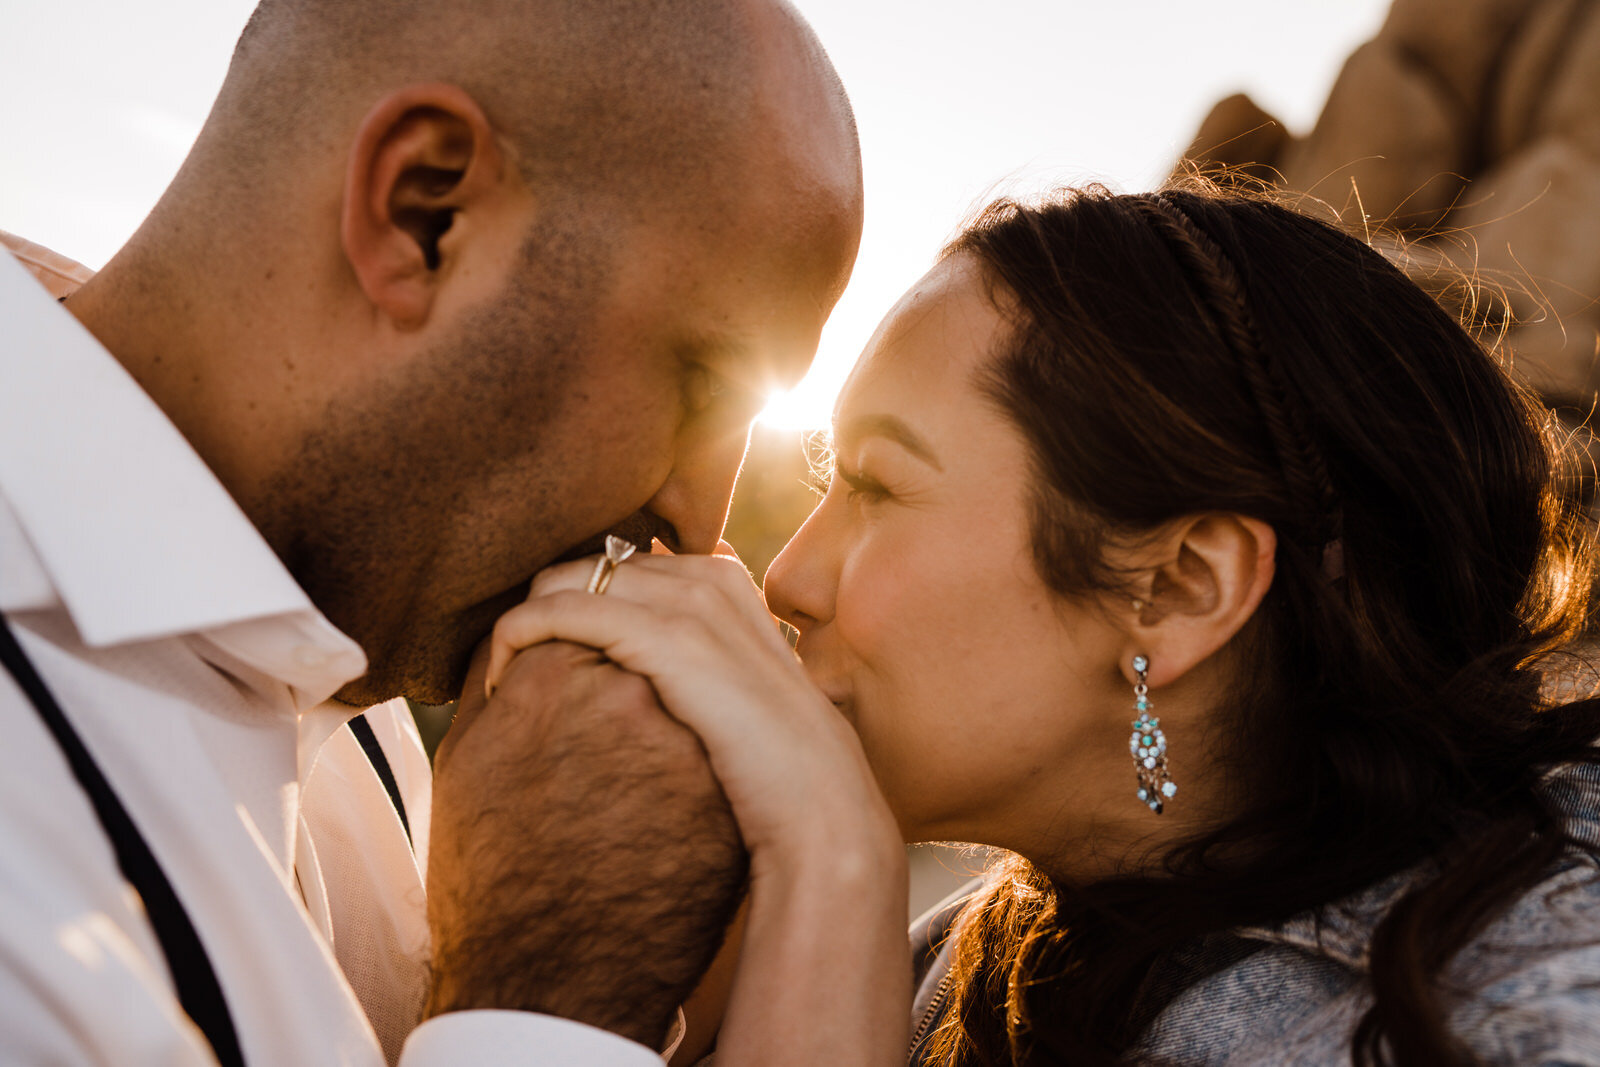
(422, 156)
(1203, 581)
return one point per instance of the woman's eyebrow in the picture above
(859, 426)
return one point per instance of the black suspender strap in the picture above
(380, 763)
(192, 974)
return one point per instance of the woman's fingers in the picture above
(667, 582)
(729, 577)
(600, 622)
(654, 608)
(687, 624)
(729, 574)
(716, 690)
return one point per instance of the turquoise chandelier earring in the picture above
(1148, 746)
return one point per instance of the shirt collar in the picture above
(122, 518)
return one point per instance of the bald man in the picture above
(443, 292)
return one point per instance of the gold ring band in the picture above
(601, 578)
(617, 550)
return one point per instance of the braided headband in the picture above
(1223, 296)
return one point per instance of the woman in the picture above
(1184, 549)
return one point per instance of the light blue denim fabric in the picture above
(1528, 987)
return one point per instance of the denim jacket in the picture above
(1293, 992)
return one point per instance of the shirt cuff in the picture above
(519, 1039)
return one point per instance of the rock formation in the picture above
(1470, 131)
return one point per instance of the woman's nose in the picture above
(799, 585)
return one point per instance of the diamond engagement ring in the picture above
(617, 550)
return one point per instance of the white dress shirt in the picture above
(198, 674)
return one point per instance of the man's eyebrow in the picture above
(854, 429)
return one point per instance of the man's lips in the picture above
(641, 528)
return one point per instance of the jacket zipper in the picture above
(928, 1016)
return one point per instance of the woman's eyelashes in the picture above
(860, 487)
(828, 471)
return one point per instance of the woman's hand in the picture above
(824, 968)
(697, 628)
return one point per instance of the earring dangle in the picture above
(1148, 746)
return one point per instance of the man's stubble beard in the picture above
(384, 518)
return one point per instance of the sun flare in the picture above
(797, 409)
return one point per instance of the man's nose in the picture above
(695, 496)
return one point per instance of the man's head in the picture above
(446, 288)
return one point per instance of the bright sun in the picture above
(797, 409)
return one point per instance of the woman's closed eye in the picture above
(861, 488)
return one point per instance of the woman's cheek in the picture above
(869, 598)
(893, 613)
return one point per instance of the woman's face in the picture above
(991, 709)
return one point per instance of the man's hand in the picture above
(584, 861)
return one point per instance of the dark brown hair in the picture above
(1188, 351)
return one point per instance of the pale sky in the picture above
(99, 100)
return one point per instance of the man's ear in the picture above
(422, 155)
(1206, 578)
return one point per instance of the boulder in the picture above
(1241, 138)
(1392, 134)
(1471, 130)
(1531, 58)
(1457, 43)
(1570, 109)
(1532, 229)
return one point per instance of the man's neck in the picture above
(182, 341)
